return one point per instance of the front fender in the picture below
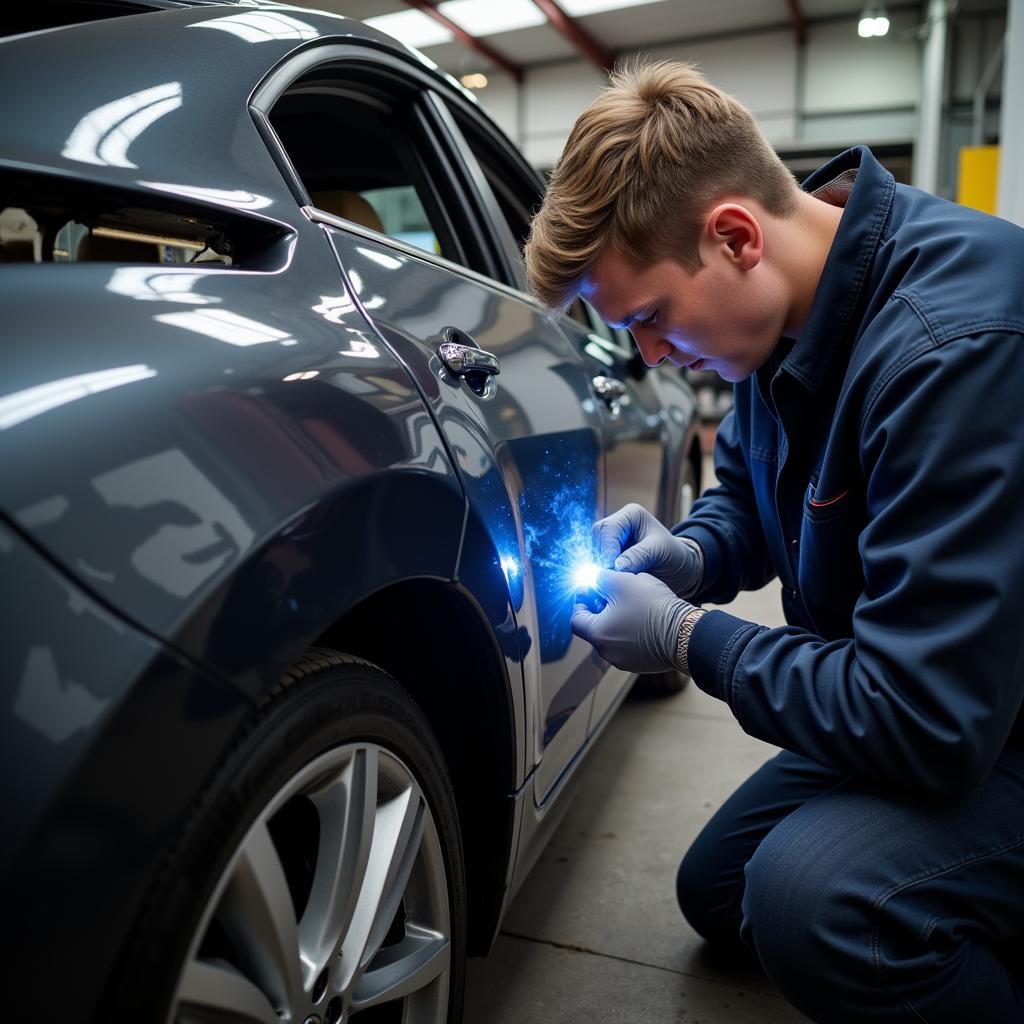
(382, 529)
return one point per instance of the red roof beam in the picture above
(466, 39)
(580, 39)
(797, 17)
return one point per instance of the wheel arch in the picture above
(434, 639)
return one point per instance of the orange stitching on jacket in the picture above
(831, 501)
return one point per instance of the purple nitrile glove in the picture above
(638, 628)
(633, 540)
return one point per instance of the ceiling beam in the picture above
(582, 40)
(466, 39)
(797, 17)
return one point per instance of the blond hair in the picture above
(642, 166)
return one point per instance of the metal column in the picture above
(929, 130)
(1011, 119)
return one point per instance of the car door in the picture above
(363, 139)
(644, 414)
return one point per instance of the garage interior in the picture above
(936, 89)
(595, 933)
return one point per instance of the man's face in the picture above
(727, 317)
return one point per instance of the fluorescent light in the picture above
(485, 17)
(414, 28)
(579, 8)
(873, 20)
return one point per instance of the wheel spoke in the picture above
(347, 808)
(215, 991)
(258, 915)
(397, 832)
(398, 971)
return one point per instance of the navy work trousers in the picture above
(864, 904)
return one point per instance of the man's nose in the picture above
(653, 347)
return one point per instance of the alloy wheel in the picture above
(334, 906)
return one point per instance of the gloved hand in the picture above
(638, 628)
(635, 541)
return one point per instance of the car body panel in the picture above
(209, 423)
(168, 121)
(96, 720)
(530, 461)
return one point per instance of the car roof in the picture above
(152, 100)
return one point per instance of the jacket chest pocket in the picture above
(831, 575)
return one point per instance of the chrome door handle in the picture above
(463, 358)
(609, 390)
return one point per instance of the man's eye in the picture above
(649, 321)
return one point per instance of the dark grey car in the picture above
(295, 479)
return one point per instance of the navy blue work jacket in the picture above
(876, 467)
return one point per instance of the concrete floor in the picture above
(595, 933)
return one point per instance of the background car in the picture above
(296, 478)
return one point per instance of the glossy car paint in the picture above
(108, 740)
(223, 462)
(530, 458)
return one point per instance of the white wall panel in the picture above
(868, 127)
(854, 90)
(557, 93)
(501, 100)
(759, 69)
(845, 72)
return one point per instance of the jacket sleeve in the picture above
(726, 525)
(926, 691)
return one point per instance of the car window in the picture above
(402, 216)
(518, 193)
(363, 156)
(45, 230)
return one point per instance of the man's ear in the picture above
(737, 229)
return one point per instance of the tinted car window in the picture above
(517, 193)
(362, 158)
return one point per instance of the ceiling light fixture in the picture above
(414, 28)
(581, 8)
(874, 20)
(486, 18)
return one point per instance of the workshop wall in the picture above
(836, 91)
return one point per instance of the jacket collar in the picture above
(858, 179)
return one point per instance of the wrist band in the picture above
(686, 627)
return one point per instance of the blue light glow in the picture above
(510, 567)
(585, 576)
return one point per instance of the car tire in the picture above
(667, 684)
(321, 876)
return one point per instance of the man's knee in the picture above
(808, 920)
(709, 896)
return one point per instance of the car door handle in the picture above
(609, 390)
(462, 357)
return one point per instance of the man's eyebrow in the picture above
(622, 325)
